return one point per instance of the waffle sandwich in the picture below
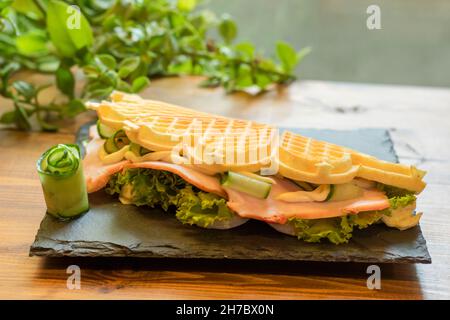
(218, 172)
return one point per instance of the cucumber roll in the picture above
(61, 174)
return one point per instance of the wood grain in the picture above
(420, 117)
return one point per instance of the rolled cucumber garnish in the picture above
(61, 174)
(246, 184)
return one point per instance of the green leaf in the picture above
(139, 84)
(244, 76)
(227, 29)
(26, 7)
(8, 69)
(68, 28)
(156, 41)
(91, 71)
(192, 43)
(183, 65)
(186, 5)
(99, 93)
(65, 81)
(111, 77)
(106, 60)
(124, 86)
(47, 64)
(5, 3)
(287, 55)
(246, 50)
(75, 106)
(128, 65)
(32, 44)
(263, 80)
(8, 117)
(24, 88)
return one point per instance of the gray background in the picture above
(413, 46)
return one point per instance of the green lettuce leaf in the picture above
(201, 208)
(364, 219)
(401, 201)
(165, 189)
(149, 187)
(398, 198)
(339, 230)
(336, 230)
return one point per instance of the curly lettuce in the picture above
(192, 206)
(339, 230)
(401, 201)
(201, 208)
(336, 230)
(398, 198)
(154, 188)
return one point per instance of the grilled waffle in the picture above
(213, 143)
(205, 140)
(306, 159)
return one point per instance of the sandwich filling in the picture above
(310, 212)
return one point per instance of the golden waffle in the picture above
(135, 109)
(306, 159)
(310, 160)
(204, 140)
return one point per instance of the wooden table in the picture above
(420, 122)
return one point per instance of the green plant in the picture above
(134, 42)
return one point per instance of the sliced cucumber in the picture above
(240, 182)
(104, 131)
(138, 150)
(330, 194)
(135, 148)
(120, 139)
(116, 142)
(110, 146)
(304, 185)
(345, 191)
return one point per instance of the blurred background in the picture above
(413, 46)
(125, 44)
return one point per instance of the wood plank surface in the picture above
(420, 122)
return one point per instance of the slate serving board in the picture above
(111, 229)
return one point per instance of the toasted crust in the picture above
(161, 126)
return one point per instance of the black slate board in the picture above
(111, 229)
